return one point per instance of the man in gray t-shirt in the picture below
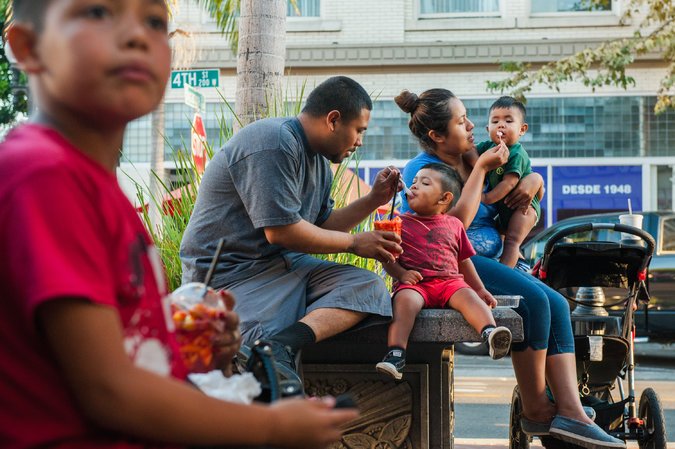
(266, 193)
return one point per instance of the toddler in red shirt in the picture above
(435, 269)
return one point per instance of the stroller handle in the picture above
(586, 227)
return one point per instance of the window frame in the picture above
(581, 18)
(614, 4)
(308, 24)
(662, 236)
(415, 21)
(456, 15)
(305, 17)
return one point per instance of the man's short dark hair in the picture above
(450, 179)
(507, 102)
(30, 11)
(341, 94)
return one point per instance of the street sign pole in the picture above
(194, 98)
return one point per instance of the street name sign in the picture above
(194, 78)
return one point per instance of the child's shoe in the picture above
(392, 364)
(499, 341)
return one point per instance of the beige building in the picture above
(595, 150)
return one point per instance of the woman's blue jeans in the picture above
(545, 312)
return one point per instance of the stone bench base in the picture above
(416, 412)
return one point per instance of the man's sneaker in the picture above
(392, 364)
(499, 342)
(273, 365)
(285, 361)
(241, 359)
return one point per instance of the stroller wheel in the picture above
(517, 438)
(651, 411)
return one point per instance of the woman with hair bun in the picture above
(439, 121)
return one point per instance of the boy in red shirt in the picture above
(435, 269)
(88, 355)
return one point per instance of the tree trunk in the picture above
(260, 58)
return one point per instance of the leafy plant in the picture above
(13, 90)
(606, 64)
(176, 206)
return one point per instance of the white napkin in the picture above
(239, 388)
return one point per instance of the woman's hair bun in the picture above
(407, 101)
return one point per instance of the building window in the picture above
(668, 235)
(304, 8)
(548, 6)
(459, 7)
(665, 177)
(559, 127)
(137, 145)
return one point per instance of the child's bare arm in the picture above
(502, 189)
(396, 271)
(87, 343)
(471, 277)
(530, 186)
(466, 207)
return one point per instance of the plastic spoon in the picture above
(406, 190)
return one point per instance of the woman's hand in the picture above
(521, 196)
(386, 185)
(493, 158)
(227, 343)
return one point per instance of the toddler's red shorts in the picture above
(435, 291)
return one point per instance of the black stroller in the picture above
(603, 342)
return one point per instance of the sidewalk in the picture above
(487, 443)
(499, 443)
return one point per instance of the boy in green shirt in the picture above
(507, 124)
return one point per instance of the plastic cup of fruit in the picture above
(393, 225)
(198, 314)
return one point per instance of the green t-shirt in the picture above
(518, 163)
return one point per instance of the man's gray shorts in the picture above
(298, 284)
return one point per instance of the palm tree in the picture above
(257, 33)
(261, 57)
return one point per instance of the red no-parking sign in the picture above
(198, 137)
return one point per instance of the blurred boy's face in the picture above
(508, 122)
(428, 197)
(104, 61)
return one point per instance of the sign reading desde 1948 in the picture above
(194, 78)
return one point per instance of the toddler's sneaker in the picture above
(499, 342)
(392, 364)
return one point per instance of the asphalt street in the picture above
(483, 390)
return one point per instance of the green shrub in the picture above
(175, 216)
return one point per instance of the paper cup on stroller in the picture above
(630, 220)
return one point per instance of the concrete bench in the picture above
(416, 412)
